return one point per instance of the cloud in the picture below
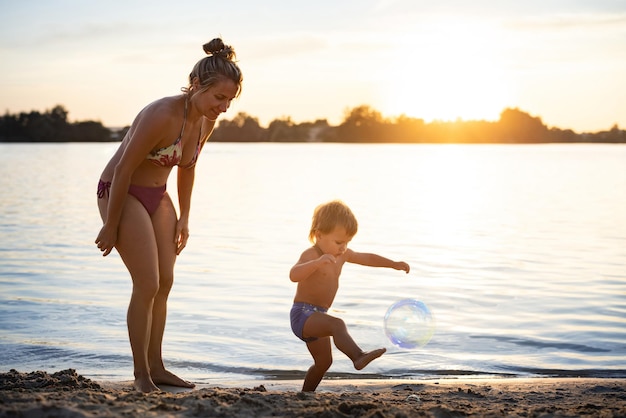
(572, 22)
(280, 46)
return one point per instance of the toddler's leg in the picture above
(346, 344)
(321, 351)
(320, 324)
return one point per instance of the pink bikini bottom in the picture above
(150, 197)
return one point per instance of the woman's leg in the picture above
(164, 223)
(137, 247)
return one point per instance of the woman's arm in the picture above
(185, 180)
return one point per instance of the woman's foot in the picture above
(165, 377)
(367, 357)
(146, 385)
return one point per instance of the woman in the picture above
(139, 217)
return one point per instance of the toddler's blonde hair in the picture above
(328, 216)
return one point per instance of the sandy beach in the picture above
(67, 394)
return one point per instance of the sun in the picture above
(448, 71)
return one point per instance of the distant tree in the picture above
(50, 126)
(242, 128)
(556, 135)
(519, 127)
(614, 135)
(9, 128)
(316, 131)
(89, 132)
(281, 130)
(478, 132)
(362, 124)
(58, 116)
(408, 129)
(46, 127)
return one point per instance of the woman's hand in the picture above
(182, 235)
(106, 240)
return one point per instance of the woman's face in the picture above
(216, 99)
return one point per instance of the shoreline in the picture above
(68, 394)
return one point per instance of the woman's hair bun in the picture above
(217, 48)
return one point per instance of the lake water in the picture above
(518, 250)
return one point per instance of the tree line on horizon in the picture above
(361, 124)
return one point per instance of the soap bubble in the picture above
(409, 323)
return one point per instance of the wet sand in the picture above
(67, 394)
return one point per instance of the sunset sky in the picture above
(561, 60)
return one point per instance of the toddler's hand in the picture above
(327, 259)
(401, 265)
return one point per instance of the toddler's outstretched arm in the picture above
(375, 260)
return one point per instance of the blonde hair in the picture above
(328, 216)
(220, 64)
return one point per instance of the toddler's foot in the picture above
(367, 357)
(168, 378)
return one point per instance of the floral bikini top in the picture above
(171, 155)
